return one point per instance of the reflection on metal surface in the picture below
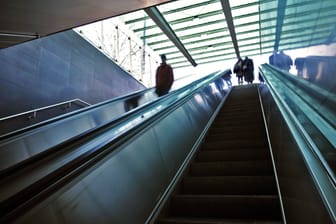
(305, 139)
(141, 160)
(297, 186)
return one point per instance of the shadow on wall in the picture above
(55, 69)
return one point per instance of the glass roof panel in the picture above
(307, 23)
(201, 27)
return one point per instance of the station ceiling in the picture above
(22, 20)
(217, 30)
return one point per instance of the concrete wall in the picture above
(58, 68)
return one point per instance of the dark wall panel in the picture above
(58, 68)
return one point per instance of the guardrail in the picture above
(18, 121)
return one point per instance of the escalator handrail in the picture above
(8, 167)
(140, 111)
(308, 88)
(90, 108)
(321, 172)
(316, 151)
(326, 125)
(307, 85)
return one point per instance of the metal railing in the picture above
(18, 121)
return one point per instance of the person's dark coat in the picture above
(164, 79)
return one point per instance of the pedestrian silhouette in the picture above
(285, 61)
(238, 70)
(299, 64)
(227, 79)
(248, 70)
(281, 60)
(272, 59)
(164, 77)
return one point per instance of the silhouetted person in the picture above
(272, 58)
(227, 78)
(299, 64)
(285, 61)
(281, 60)
(248, 69)
(164, 77)
(238, 70)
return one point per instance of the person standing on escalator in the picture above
(238, 70)
(248, 69)
(164, 77)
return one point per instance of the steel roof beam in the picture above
(157, 17)
(280, 19)
(229, 21)
(185, 19)
(288, 16)
(174, 10)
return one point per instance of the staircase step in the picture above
(232, 185)
(185, 220)
(231, 168)
(226, 206)
(232, 155)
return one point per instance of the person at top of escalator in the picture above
(248, 69)
(238, 70)
(164, 77)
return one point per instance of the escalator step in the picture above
(235, 135)
(185, 220)
(232, 155)
(242, 128)
(231, 168)
(230, 185)
(223, 144)
(226, 206)
(239, 122)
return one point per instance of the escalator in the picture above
(69, 152)
(224, 166)
(231, 178)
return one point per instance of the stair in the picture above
(231, 179)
